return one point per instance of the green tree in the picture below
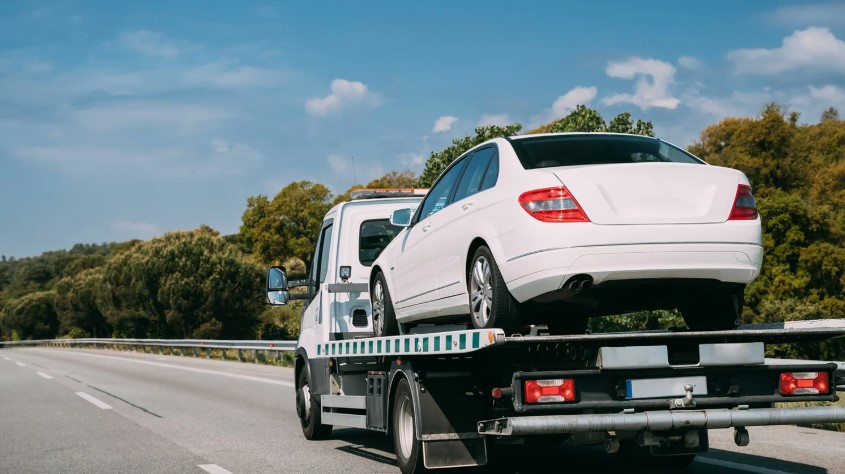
(585, 119)
(288, 225)
(184, 284)
(77, 304)
(32, 316)
(830, 114)
(438, 161)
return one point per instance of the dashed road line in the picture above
(46, 376)
(213, 469)
(94, 401)
(20, 364)
(7, 358)
(738, 466)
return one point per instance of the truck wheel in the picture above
(715, 313)
(384, 319)
(309, 410)
(408, 447)
(490, 303)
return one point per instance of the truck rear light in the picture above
(804, 383)
(745, 206)
(552, 205)
(549, 391)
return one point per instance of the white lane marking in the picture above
(21, 364)
(189, 369)
(213, 469)
(162, 358)
(7, 358)
(738, 466)
(94, 401)
(46, 376)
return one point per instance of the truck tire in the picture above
(718, 312)
(408, 448)
(490, 303)
(308, 410)
(384, 318)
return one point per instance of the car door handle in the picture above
(425, 229)
(467, 206)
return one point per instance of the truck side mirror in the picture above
(401, 217)
(277, 286)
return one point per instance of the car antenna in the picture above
(354, 177)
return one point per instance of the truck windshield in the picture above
(595, 149)
(375, 235)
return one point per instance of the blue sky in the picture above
(124, 120)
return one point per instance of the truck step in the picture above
(355, 402)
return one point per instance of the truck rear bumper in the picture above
(659, 420)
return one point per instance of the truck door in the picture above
(314, 321)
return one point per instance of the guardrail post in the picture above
(240, 356)
(195, 352)
(208, 353)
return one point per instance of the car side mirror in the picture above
(401, 217)
(277, 286)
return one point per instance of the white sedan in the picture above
(556, 228)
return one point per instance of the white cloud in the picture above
(149, 43)
(343, 93)
(444, 123)
(829, 93)
(138, 230)
(412, 160)
(810, 14)
(222, 75)
(227, 158)
(500, 120)
(814, 50)
(130, 115)
(652, 88)
(339, 164)
(690, 63)
(566, 103)
(737, 104)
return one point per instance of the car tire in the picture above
(408, 448)
(384, 318)
(308, 410)
(490, 303)
(716, 312)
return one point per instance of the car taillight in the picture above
(804, 383)
(745, 206)
(549, 391)
(553, 205)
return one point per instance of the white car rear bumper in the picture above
(544, 271)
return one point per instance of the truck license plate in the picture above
(666, 387)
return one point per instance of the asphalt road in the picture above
(67, 410)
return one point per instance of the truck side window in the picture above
(321, 258)
(374, 237)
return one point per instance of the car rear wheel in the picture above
(490, 302)
(715, 312)
(384, 319)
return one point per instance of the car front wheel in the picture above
(384, 319)
(490, 302)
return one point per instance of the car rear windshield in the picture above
(594, 149)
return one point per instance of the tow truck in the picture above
(447, 393)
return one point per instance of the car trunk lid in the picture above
(652, 193)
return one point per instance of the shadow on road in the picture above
(522, 459)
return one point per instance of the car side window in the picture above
(492, 174)
(472, 179)
(438, 197)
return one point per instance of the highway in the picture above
(73, 410)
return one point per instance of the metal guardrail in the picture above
(196, 346)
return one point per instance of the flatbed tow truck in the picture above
(445, 394)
